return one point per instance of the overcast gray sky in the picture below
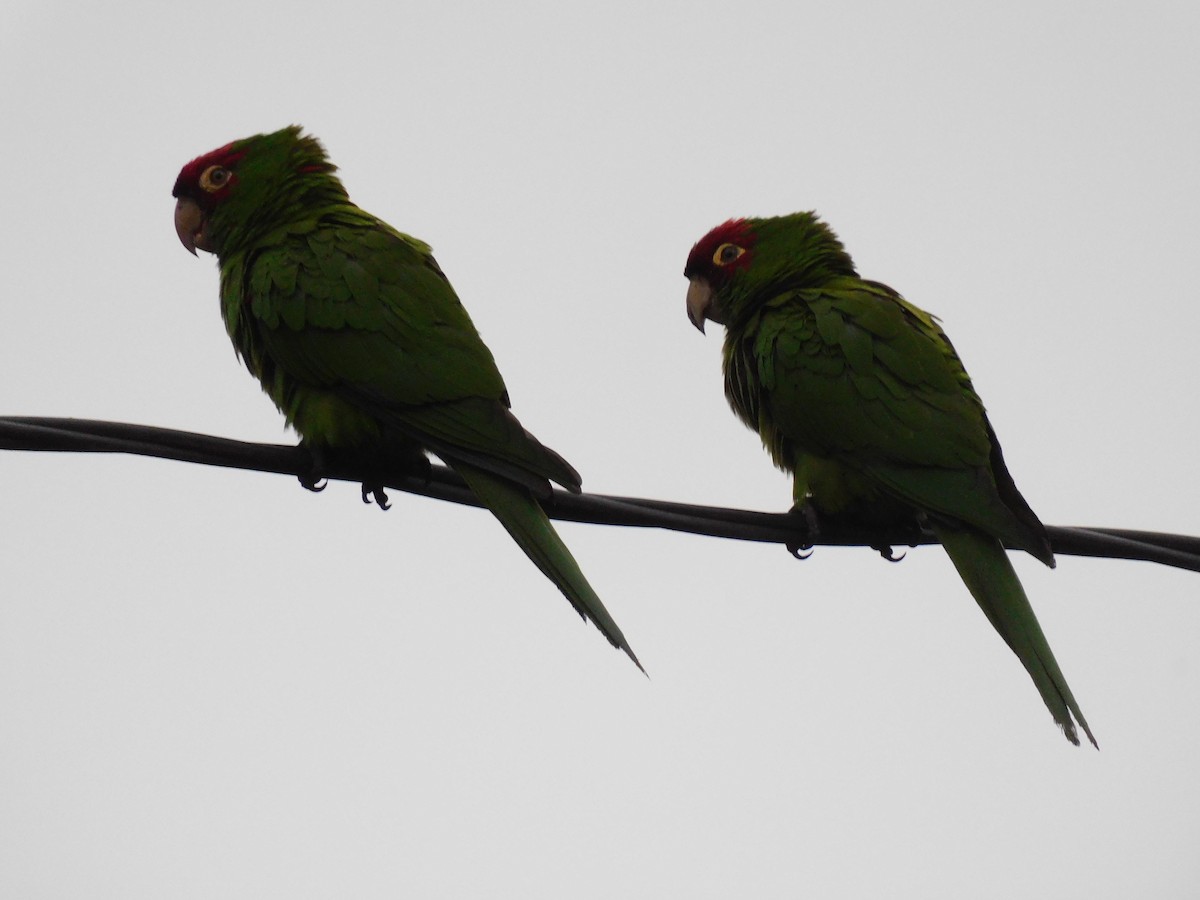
(216, 684)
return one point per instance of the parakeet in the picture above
(361, 342)
(861, 397)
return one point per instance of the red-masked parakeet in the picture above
(359, 339)
(860, 395)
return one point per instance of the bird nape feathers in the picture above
(361, 342)
(862, 398)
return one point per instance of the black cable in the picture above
(37, 433)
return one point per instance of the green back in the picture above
(858, 391)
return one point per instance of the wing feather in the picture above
(851, 372)
(362, 312)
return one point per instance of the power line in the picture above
(35, 433)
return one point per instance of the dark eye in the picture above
(727, 253)
(214, 178)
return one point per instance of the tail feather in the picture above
(530, 527)
(987, 571)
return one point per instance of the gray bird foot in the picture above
(313, 480)
(888, 552)
(802, 548)
(312, 483)
(373, 493)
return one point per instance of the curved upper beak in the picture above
(701, 304)
(189, 225)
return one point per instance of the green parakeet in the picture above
(860, 395)
(359, 339)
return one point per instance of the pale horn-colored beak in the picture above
(701, 304)
(189, 225)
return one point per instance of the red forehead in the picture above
(225, 156)
(735, 231)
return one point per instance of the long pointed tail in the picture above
(987, 571)
(530, 527)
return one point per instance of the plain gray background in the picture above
(215, 684)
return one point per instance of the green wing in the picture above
(353, 330)
(362, 312)
(853, 373)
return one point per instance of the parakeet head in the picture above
(744, 262)
(226, 198)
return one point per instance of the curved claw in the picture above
(811, 529)
(313, 480)
(888, 552)
(797, 550)
(310, 483)
(374, 493)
